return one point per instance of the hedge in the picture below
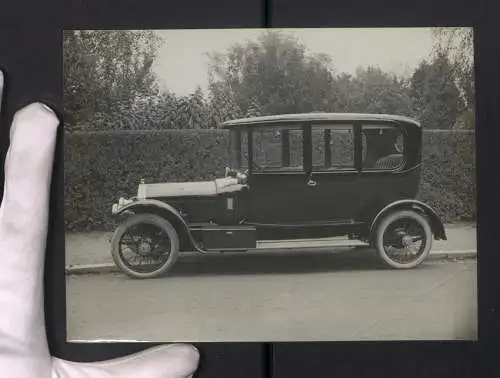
(102, 166)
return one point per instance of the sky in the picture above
(182, 64)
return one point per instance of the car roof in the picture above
(276, 120)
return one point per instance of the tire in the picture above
(153, 220)
(386, 227)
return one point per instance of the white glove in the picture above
(24, 350)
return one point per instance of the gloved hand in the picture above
(24, 350)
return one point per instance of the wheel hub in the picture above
(407, 240)
(144, 248)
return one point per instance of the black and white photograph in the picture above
(268, 185)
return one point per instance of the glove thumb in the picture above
(171, 361)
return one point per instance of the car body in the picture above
(293, 177)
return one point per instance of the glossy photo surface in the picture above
(270, 185)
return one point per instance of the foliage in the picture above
(436, 97)
(106, 73)
(372, 91)
(101, 167)
(449, 174)
(458, 45)
(275, 73)
(270, 75)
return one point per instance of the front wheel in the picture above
(145, 246)
(403, 239)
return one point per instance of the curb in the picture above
(112, 268)
(91, 269)
(459, 255)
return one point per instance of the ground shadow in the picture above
(286, 262)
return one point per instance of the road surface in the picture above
(282, 297)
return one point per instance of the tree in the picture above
(457, 44)
(436, 96)
(253, 109)
(274, 74)
(105, 72)
(191, 111)
(372, 90)
(222, 104)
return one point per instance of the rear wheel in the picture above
(403, 239)
(145, 246)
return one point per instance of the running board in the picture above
(297, 244)
(309, 243)
(294, 225)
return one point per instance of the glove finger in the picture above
(23, 224)
(171, 361)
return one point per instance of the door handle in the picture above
(312, 183)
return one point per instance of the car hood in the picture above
(190, 189)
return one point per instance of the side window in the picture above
(267, 148)
(383, 147)
(278, 149)
(296, 152)
(332, 147)
(239, 148)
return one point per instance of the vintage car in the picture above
(293, 177)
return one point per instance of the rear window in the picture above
(382, 148)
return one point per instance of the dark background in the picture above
(30, 53)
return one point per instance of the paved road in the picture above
(318, 296)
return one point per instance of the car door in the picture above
(278, 181)
(334, 181)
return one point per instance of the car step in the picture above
(308, 243)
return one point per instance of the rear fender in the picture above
(164, 210)
(435, 222)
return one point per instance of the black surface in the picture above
(398, 359)
(30, 52)
(229, 237)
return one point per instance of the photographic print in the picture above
(270, 184)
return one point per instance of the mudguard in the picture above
(162, 209)
(131, 205)
(435, 222)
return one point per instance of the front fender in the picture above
(161, 208)
(436, 223)
(132, 205)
